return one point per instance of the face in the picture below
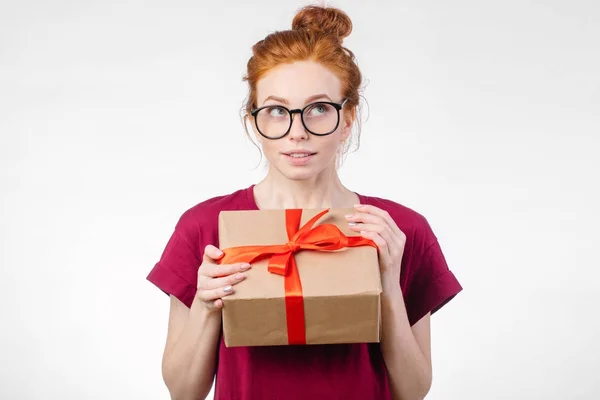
(300, 155)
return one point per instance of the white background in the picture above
(115, 117)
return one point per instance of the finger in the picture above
(382, 246)
(214, 294)
(372, 222)
(368, 208)
(215, 283)
(217, 271)
(218, 303)
(215, 304)
(383, 230)
(394, 247)
(212, 253)
(359, 216)
(363, 216)
(394, 244)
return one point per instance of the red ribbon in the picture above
(325, 237)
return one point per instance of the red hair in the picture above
(316, 35)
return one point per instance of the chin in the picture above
(299, 173)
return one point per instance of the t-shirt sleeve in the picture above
(432, 283)
(176, 272)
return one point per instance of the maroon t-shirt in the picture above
(341, 371)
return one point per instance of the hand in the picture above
(217, 280)
(376, 224)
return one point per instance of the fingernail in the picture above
(352, 223)
(239, 276)
(227, 289)
(245, 266)
(349, 215)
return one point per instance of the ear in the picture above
(347, 120)
(249, 120)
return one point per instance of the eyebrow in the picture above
(308, 100)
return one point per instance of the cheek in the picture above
(269, 146)
(270, 149)
(331, 145)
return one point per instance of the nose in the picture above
(297, 131)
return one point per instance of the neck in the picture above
(276, 191)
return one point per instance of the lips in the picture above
(299, 158)
(299, 154)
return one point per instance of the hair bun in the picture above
(323, 20)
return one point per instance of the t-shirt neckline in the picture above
(252, 201)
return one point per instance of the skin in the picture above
(192, 341)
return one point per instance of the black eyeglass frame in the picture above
(337, 106)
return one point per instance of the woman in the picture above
(305, 69)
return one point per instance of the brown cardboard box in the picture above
(341, 289)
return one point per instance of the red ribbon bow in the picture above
(325, 237)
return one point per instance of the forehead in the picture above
(298, 81)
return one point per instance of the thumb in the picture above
(212, 254)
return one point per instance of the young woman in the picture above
(302, 104)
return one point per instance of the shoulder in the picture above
(199, 223)
(207, 211)
(176, 272)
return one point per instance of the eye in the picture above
(319, 109)
(276, 111)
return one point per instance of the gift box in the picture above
(312, 281)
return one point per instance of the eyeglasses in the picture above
(321, 119)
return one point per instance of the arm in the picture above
(190, 352)
(189, 358)
(406, 350)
